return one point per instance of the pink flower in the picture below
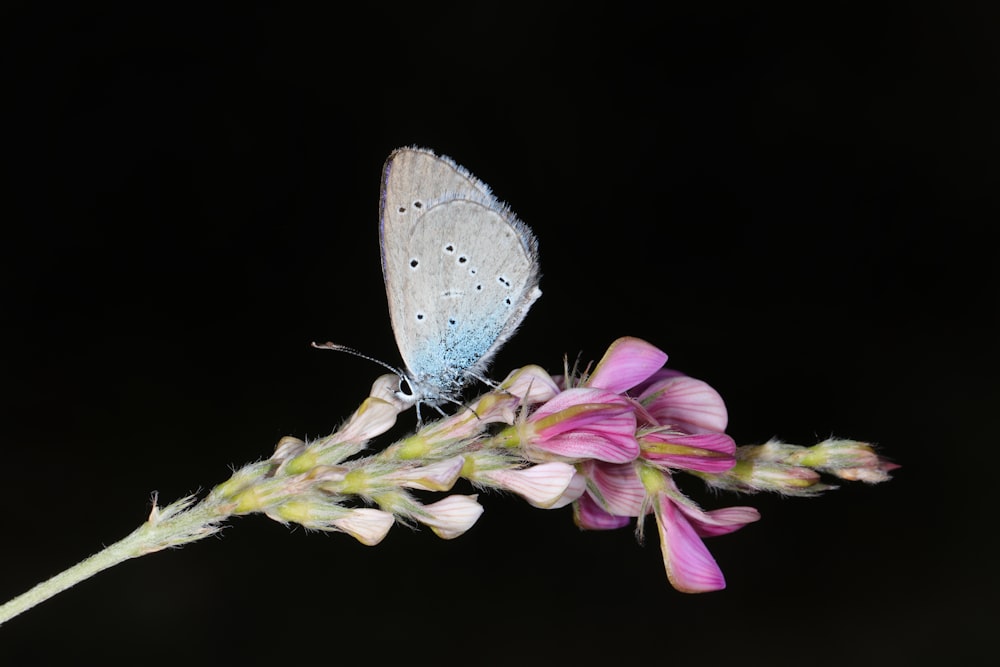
(680, 425)
(681, 524)
(685, 420)
(629, 427)
(366, 525)
(593, 421)
(615, 493)
(531, 384)
(451, 516)
(577, 425)
(544, 485)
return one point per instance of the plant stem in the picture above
(173, 525)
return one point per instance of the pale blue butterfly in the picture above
(461, 272)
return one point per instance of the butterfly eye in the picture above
(405, 387)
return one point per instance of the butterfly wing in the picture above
(461, 271)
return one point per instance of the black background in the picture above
(799, 207)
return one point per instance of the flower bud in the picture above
(542, 485)
(848, 459)
(450, 517)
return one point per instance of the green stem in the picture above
(173, 525)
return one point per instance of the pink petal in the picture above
(452, 516)
(617, 418)
(440, 476)
(586, 423)
(541, 485)
(715, 522)
(674, 399)
(578, 396)
(663, 374)
(366, 525)
(577, 487)
(705, 452)
(531, 384)
(582, 445)
(627, 362)
(376, 415)
(588, 515)
(616, 488)
(690, 567)
(725, 520)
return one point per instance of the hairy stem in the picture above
(174, 525)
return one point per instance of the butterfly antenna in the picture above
(350, 350)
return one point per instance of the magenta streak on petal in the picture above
(717, 451)
(588, 416)
(579, 396)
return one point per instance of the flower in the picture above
(679, 425)
(376, 415)
(545, 485)
(451, 516)
(681, 524)
(439, 476)
(531, 384)
(610, 442)
(577, 425)
(366, 525)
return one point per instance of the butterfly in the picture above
(460, 270)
